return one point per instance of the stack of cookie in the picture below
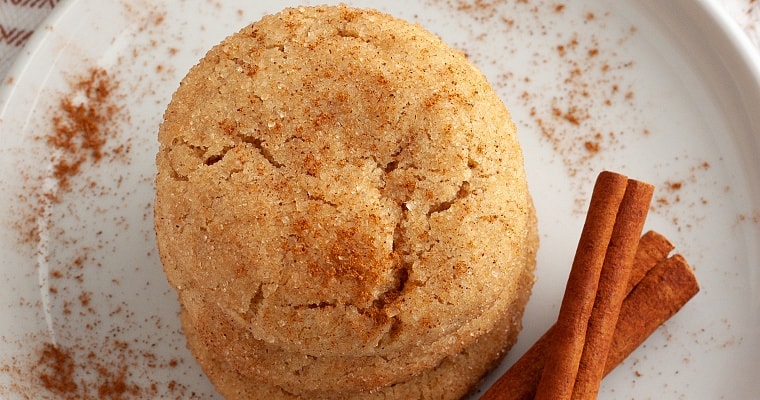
(342, 208)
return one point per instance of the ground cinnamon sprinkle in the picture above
(78, 373)
(572, 86)
(86, 361)
(81, 130)
(55, 371)
(94, 341)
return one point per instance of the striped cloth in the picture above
(18, 20)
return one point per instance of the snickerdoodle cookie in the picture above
(453, 377)
(339, 186)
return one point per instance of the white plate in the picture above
(671, 88)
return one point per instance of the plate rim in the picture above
(741, 49)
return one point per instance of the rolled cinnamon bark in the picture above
(652, 248)
(666, 287)
(569, 336)
(662, 292)
(613, 282)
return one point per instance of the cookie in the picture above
(453, 378)
(296, 372)
(338, 184)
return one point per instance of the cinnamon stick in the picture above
(667, 286)
(568, 339)
(521, 380)
(663, 291)
(611, 290)
(652, 248)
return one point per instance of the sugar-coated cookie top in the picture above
(341, 182)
